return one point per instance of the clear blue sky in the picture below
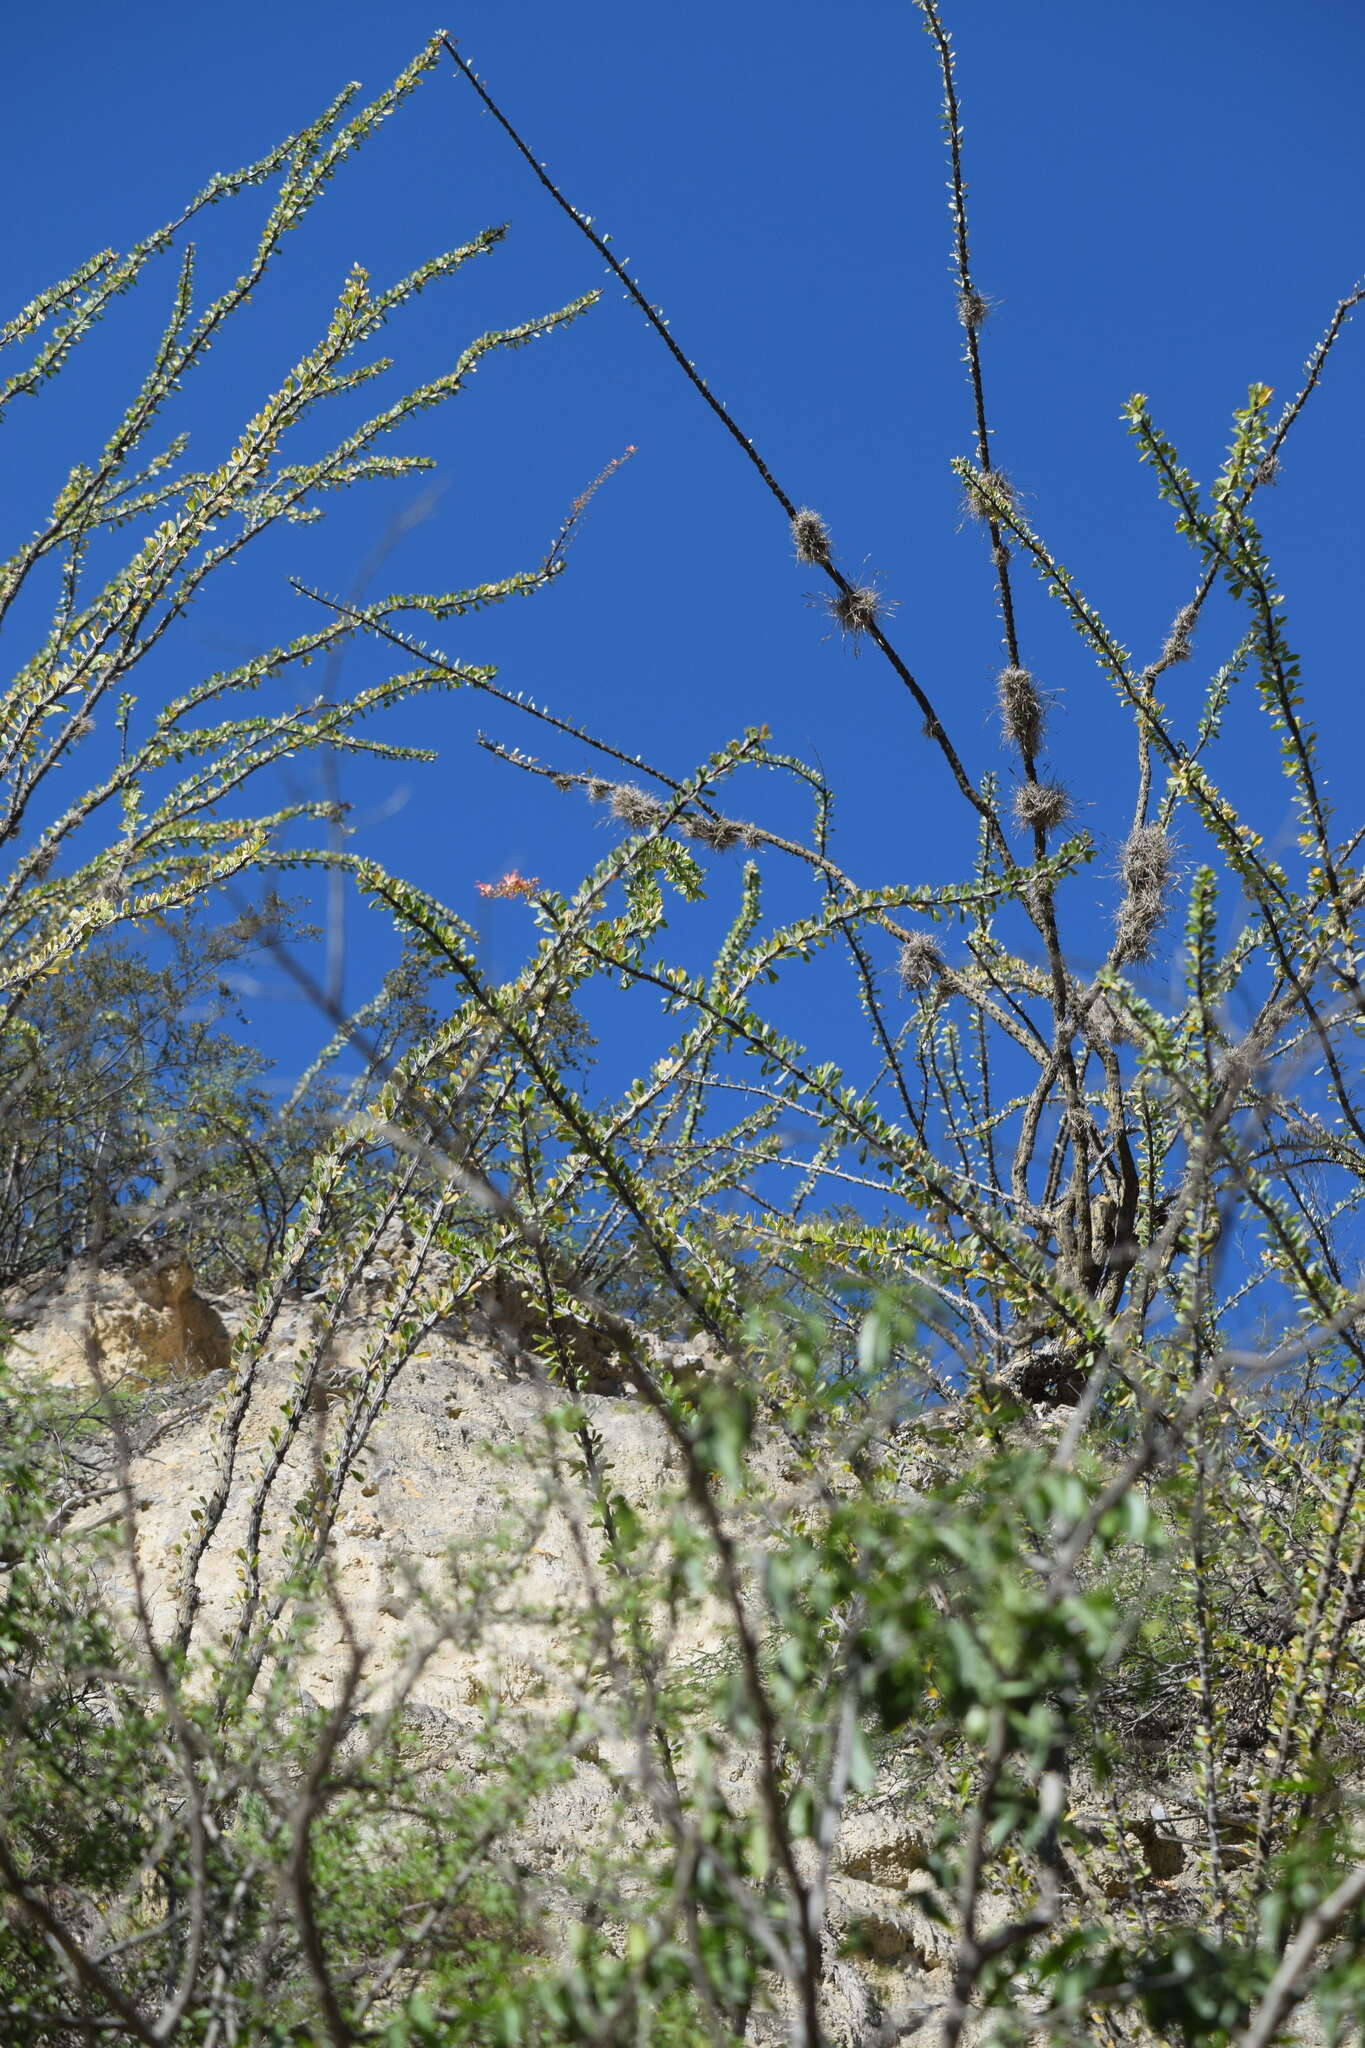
(1166, 198)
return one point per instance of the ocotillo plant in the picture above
(1009, 1383)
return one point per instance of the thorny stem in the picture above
(932, 724)
(969, 304)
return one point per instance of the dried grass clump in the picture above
(718, 833)
(1106, 1024)
(856, 611)
(810, 536)
(635, 806)
(1041, 806)
(1146, 861)
(988, 496)
(920, 964)
(1146, 864)
(973, 308)
(1179, 642)
(1021, 709)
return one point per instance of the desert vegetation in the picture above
(897, 1554)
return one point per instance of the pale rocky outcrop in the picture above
(119, 1326)
(462, 1445)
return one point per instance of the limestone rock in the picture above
(455, 1449)
(882, 1845)
(886, 1924)
(464, 1561)
(116, 1327)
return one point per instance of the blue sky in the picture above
(1166, 198)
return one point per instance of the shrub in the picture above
(1001, 1520)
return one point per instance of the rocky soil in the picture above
(461, 1449)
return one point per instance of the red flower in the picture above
(512, 884)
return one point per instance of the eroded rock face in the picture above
(462, 1448)
(113, 1327)
(459, 1471)
(461, 1533)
